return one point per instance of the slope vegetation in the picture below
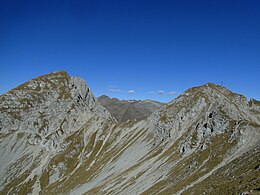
(57, 139)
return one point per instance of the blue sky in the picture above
(133, 49)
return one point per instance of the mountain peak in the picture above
(55, 138)
(207, 86)
(103, 98)
(124, 110)
(213, 92)
(47, 92)
(58, 72)
(208, 99)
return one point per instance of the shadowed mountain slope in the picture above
(124, 110)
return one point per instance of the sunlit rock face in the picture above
(49, 108)
(55, 138)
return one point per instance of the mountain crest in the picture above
(31, 106)
(205, 107)
(56, 138)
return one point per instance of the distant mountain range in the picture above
(57, 138)
(124, 110)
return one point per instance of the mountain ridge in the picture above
(124, 110)
(65, 142)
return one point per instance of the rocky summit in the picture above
(56, 138)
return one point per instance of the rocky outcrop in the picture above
(56, 138)
(38, 116)
(209, 110)
(48, 108)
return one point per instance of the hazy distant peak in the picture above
(124, 110)
(103, 97)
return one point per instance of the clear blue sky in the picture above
(144, 46)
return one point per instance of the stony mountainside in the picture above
(56, 138)
(124, 110)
